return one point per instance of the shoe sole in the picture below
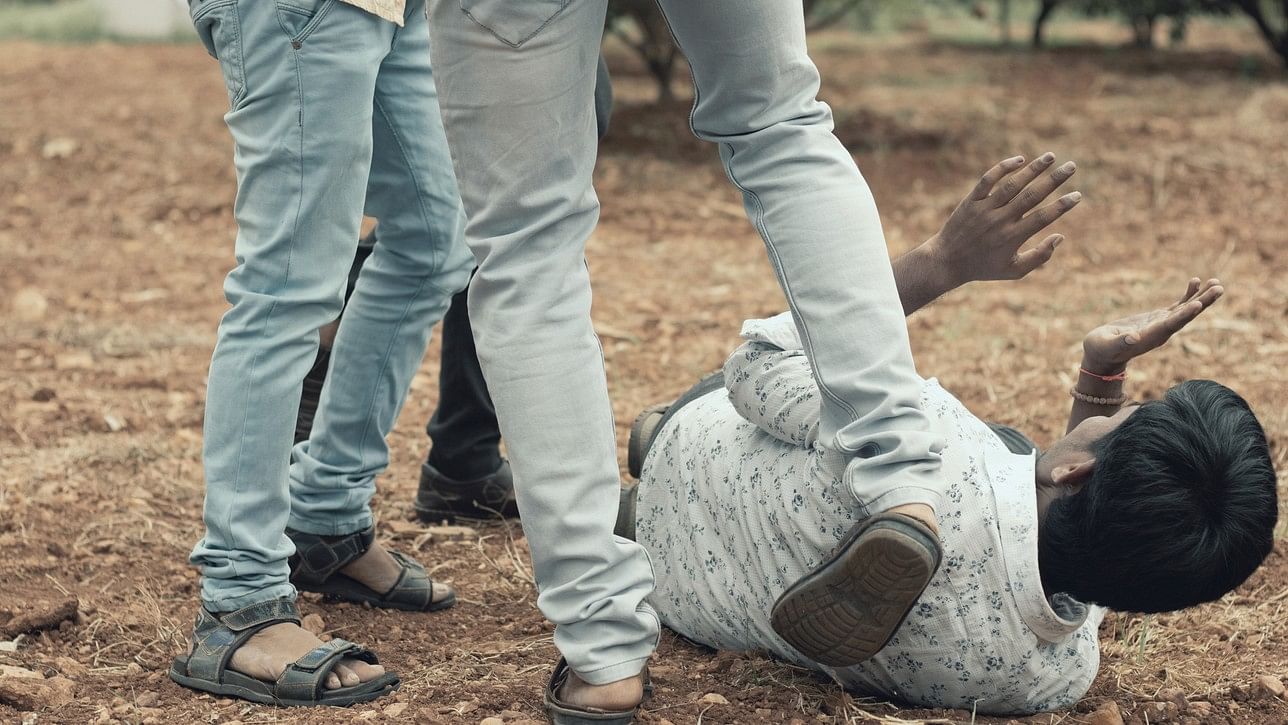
(642, 432)
(845, 611)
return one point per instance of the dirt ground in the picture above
(116, 190)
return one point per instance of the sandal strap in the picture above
(414, 587)
(217, 636)
(303, 678)
(317, 557)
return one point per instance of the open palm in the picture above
(1110, 346)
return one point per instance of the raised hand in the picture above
(983, 237)
(1108, 348)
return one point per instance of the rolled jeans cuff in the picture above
(903, 496)
(213, 602)
(331, 526)
(613, 673)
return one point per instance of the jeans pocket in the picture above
(219, 27)
(299, 18)
(513, 22)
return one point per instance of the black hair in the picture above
(1180, 509)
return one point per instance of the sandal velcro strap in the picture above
(303, 678)
(318, 557)
(414, 587)
(254, 615)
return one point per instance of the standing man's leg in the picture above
(464, 474)
(300, 83)
(516, 82)
(755, 89)
(418, 263)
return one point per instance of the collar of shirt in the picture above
(1012, 477)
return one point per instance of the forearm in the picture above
(1094, 387)
(922, 277)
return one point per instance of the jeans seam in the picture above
(563, 5)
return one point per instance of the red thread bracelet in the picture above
(1120, 377)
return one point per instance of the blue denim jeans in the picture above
(515, 81)
(333, 111)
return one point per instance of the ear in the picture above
(1074, 474)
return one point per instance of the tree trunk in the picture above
(1039, 22)
(1142, 27)
(661, 70)
(1004, 20)
(1276, 39)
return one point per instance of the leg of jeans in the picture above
(302, 169)
(756, 97)
(521, 124)
(419, 262)
(464, 430)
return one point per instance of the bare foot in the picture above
(380, 571)
(614, 697)
(920, 512)
(266, 656)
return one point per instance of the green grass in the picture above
(64, 21)
(74, 21)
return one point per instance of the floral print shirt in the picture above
(738, 499)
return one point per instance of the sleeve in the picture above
(775, 390)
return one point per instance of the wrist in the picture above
(1100, 368)
(932, 257)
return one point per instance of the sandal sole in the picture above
(248, 688)
(845, 611)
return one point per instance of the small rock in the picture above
(44, 395)
(714, 698)
(19, 672)
(313, 623)
(134, 669)
(29, 694)
(1174, 695)
(1267, 687)
(368, 714)
(29, 304)
(115, 424)
(75, 360)
(395, 710)
(70, 667)
(147, 699)
(511, 715)
(1201, 709)
(59, 148)
(491, 721)
(1106, 714)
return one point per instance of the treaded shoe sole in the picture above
(845, 611)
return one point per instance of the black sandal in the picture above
(316, 565)
(850, 607)
(562, 713)
(216, 637)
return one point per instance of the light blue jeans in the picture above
(516, 79)
(331, 108)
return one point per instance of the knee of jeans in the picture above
(753, 119)
(290, 309)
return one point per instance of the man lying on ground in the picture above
(1145, 508)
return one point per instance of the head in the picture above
(1162, 506)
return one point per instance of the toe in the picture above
(345, 672)
(332, 681)
(366, 672)
(442, 591)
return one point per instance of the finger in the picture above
(1039, 190)
(994, 175)
(1026, 262)
(1160, 331)
(1211, 293)
(1047, 215)
(1190, 290)
(1020, 179)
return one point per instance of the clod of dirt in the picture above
(59, 148)
(395, 710)
(452, 533)
(41, 617)
(491, 721)
(1201, 709)
(147, 699)
(715, 698)
(29, 694)
(1106, 714)
(313, 623)
(10, 671)
(1267, 687)
(1175, 695)
(29, 304)
(70, 667)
